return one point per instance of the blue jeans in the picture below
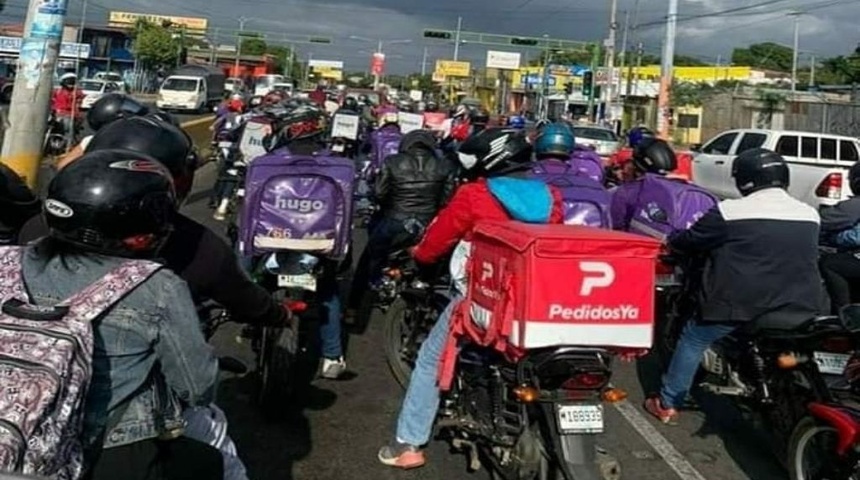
(415, 422)
(695, 339)
(330, 312)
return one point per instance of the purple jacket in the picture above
(623, 204)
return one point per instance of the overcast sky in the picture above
(706, 28)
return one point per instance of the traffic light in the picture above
(568, 88)
(524, 41)
(324, 40)
(587, 83)
(437, 34)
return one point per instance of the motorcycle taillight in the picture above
(586, 381)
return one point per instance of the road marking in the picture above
(661, 445)
(199, 121)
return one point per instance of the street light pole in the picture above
(424, 63)
(666, 75)
(457, 39)
(794, 56)
(610, 53)
(242, 21)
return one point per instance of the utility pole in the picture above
(424, 63)
(666, 75)
(457, 39)
(812, 72)
(794, 56)
(242, 21)
(31, 94)
(610, 53)
(79, 39)
(624, 38)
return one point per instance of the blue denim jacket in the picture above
(149, 357)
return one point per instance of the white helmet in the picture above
(68, 76)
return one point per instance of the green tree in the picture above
(690, 94)
(768, 56)
(253, 46)
(284, 56)
(154, 45)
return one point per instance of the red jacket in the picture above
(471, 203)
(621, 157)
(63, 100)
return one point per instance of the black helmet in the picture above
(422, 139)
(494, 151)
(154, 138)
(166, 117)
(114, 202)
(17, 203)
(759, 168)
(114, 106)
(303, 123)
(350, 103)
(653, 155)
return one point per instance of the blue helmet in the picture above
(636, 134)
(554, 139)
(517, 121)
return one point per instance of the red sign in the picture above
(377, 63)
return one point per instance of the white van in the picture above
(818, 162)
(264, 83)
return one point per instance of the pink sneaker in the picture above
(654, 406)
(401, 455)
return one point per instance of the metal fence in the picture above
(806, 112)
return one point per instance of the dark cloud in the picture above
(828, 29)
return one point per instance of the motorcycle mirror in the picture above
(849, 316)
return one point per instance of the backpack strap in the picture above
(86, 305)
(11, 277)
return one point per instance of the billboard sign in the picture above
(503, 60)
(325, 64)
(126, 19)
(67, 49)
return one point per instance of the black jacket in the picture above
(841, 216)
(209, 267)
(761, 259)
(414, 183)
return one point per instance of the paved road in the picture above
(341, 425)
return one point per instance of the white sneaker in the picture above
(332, 369)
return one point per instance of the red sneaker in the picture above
(400, 455)
(654, 406)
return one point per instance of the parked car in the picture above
(818, 162)
(94, 89)
(604, 140)
(112, 77)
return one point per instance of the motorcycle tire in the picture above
(805, 431)
(277, 370)
(393, 335)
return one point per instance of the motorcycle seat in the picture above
(788, 330)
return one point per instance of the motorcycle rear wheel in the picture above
(276, 370)
(394, 326)
(814, 439)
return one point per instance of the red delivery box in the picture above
(534, 286)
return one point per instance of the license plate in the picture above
(225, 144)
(337, 148)
(305, 282)
(831, 363)
(240, 193)
(667, 280)
(580, 418)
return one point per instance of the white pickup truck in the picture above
(818, 163)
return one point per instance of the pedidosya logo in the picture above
(595, 275)
(301, 205)
(58, 209)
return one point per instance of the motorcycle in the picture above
(533, 419)
(777, 374)
(825, 443)
(411, 307)
(282, 351)
(56, 138)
